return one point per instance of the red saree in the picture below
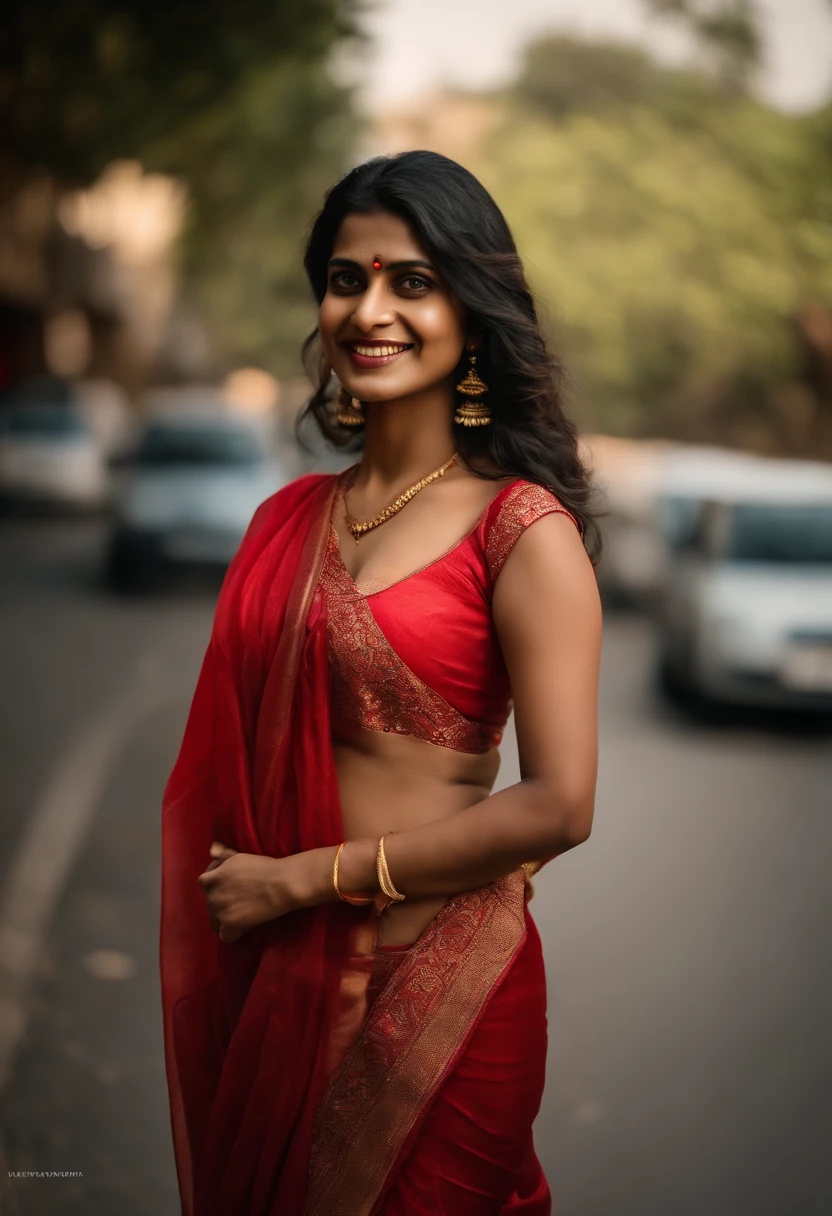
(292, 1092)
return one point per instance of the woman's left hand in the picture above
(245, 889)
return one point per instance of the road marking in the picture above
(52, 839)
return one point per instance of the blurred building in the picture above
(88, 278)
(453, 123)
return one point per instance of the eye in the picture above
(415, 283)
(345, 279)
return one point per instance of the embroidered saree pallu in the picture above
(291, 1092)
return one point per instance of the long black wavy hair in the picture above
(462, 228)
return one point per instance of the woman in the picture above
(368, 1034)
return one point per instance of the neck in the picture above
(408, 438)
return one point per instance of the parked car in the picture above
(746, 613)
(625, 473)
(188, 495)
(50, 456)
(652, 491)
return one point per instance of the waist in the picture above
(390, 782)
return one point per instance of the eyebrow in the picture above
(408, 264)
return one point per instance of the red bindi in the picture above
(376, 263)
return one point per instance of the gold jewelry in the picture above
(358, 527)
(472, 411)
(530, 868)
(357, 901)
(349, 411)
(384, 879)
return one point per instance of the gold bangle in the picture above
(384, 879)
(358, 901)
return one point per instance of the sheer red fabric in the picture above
(253, 1030)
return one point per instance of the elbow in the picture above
(567, 820)
(578, 830)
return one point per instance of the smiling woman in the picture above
(368, 1036)
(384, 310)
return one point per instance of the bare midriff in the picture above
(392, 783)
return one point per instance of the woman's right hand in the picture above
(243, 890)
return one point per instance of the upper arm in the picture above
(548, 617)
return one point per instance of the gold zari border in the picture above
(372, 687)
(408, 1043)
(522, 506)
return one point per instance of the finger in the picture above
(221, 851)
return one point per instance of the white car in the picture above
(50, 456)
(652, 492)
(189, 494)
(746, 614)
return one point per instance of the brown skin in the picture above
(450, 835)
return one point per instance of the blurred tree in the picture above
(681, 235)
(562, 75)
(86, 81)
(235, 99)
(729, 31)
(259, 163)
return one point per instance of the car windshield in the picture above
(677, 519)
(42, 421)
(199, 445)
(787, 534)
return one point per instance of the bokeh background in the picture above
(666, 166)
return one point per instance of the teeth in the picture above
(377, 352)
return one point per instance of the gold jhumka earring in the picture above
(349, 411)
(472, 411)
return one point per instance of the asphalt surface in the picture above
(687, 942)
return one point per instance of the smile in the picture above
(376, 354)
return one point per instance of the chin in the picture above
(380, 395)
(392, 391)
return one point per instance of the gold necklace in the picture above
(358, 527)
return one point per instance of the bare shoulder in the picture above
(547, 574)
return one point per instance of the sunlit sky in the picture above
(421, 44)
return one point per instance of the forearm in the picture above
(474, 846)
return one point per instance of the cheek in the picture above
(441, 332)
(330, 316)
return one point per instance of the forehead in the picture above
(363, 237)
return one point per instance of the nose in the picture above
(374, 307)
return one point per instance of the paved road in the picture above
(687, 942)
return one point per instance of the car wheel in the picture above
(671, 683)
(126, 569)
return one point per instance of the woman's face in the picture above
(389, 325)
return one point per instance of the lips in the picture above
(376, 354)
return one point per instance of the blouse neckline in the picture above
(335, 540)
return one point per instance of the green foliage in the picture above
(563, 75)
(676, 244)
(259, 165)
(85, 81)
(236, 99)
(729, 32)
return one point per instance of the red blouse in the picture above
(421, 657)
